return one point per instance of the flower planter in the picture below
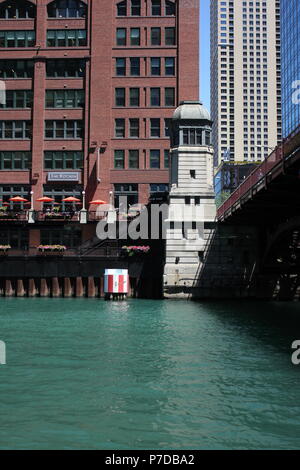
(135, 252)
(51, 250)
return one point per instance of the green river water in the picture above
(89, 374)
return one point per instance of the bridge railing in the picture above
(258, 174)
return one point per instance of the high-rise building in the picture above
(290, 65)
(90, 87)
(245, 79)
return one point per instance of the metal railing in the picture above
(258, 177)
(11, 216)
(41, 216)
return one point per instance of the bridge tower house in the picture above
(192, 208)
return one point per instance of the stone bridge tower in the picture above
(192, 209)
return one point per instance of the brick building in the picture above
(90, 86)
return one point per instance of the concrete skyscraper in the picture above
(245, 79)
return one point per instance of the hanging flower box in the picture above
(7, 215)
(51, 250)
(135, 250)
(4, 249)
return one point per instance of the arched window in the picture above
(14, 9)
(67, 9)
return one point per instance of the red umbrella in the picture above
(5, 204)
(45, 199)
(71, 199)
(18, 199)
(98, 202)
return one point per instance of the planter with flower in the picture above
(56, 214)
(4, 249)
(54, 250)
(4, 214)
(135, 251)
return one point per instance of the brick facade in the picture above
(99, 83)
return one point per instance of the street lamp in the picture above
(83, 200)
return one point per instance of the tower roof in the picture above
(191, 110)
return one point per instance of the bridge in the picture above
(255, 249)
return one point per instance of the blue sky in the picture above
(205, 52)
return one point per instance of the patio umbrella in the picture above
(45, 199)
(18, 199)
(71, 199)
(98, 202)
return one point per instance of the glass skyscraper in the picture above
(290, 64)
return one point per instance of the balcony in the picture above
(108, 250)
(13, 216)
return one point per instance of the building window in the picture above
(57, 160)
(120, 97)
(122, 8)
(134, 96)
(158, 188)
(135, 7)
(64, 98)
(155, 96)
(17, 238)
(170, 8)
(68, 238)
(192, 137)
(134, 128)
(17, 99)
(67, 9)
(15, 161)
(69, 68)
(66, 38)
(119, 159)
(58, 193)
(120, 67)
(170, 37)
(155, 127)
(128, 191)
(167, 126)
(170, 65)
(7, 192)
(133, 159)
(64, 129)
(169, 96)
(16, 68)
(17, 38)
(166, 159)
(156, 7)
(15, 129)
(121, 37)
(135, 39)
(13, 10)
(155, 66)
(135, 66)
(155, 159)
(120, 128)
(155, 36)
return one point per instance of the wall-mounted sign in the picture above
(56, 176)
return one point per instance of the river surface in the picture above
(89, 374)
